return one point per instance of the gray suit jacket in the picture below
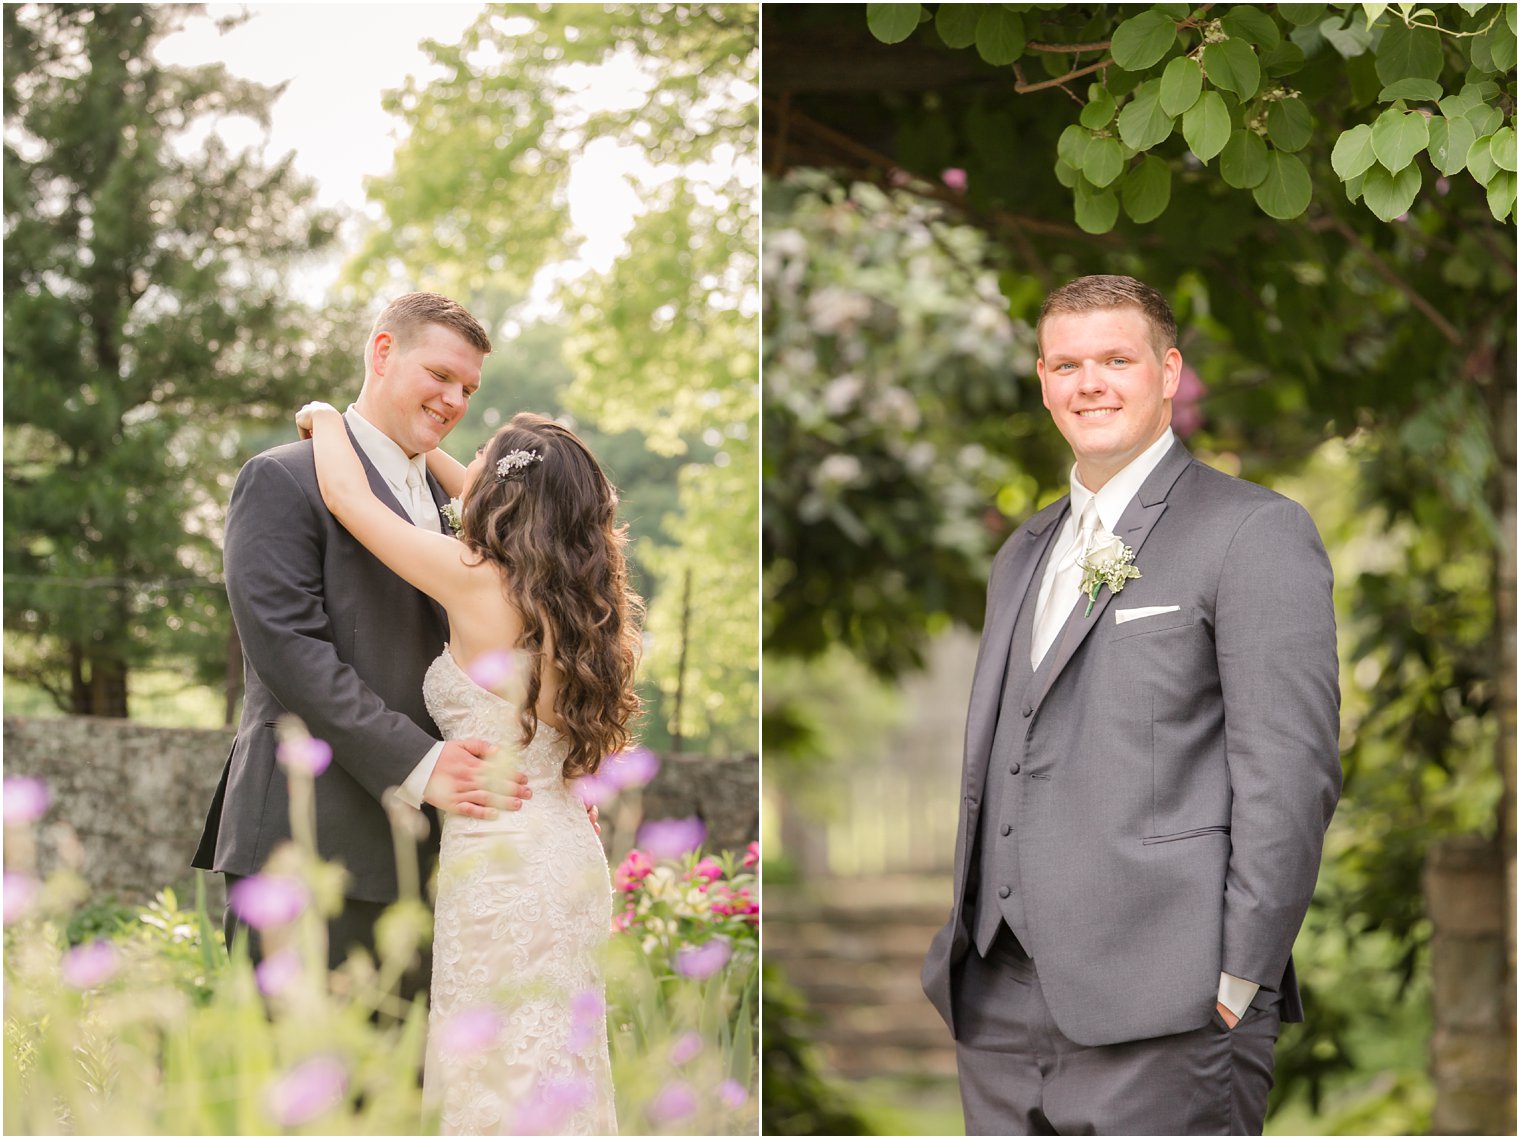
(333, 636)
(1182, 767)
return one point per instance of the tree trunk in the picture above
(105, 689)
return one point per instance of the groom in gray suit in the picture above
(334, 637)
(1150, 765)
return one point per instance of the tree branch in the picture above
(1391, 276)
(1063, 49)
(1025, 88)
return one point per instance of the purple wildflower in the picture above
(305, 754)
(550, 1105)
(587, 1010)
(701, 961)
(687, 1046)
(674, 1102)
(632, 768)
(26, 799)
(20, 892)
(670, 838)
(265, 900)
(732, 1093)
(90, 966)
(313, 1086)
(277, 972)
(596, 790)
(492, 670)
(470, 1030)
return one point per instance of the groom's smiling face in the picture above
(421, 385)
(1107, 388)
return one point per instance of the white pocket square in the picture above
(1123, 615)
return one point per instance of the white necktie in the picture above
(419, 503)
(1049, 621)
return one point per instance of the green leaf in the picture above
(1353, 152)
(1232, 65)
(999, 36)
(1373, 11)
(1301, 15)
(1502, 148)
(1147, 189)
(1454, 106)
(1244, 22)
(1480, 160)
(1484, 119)
(1066, 173)
(1354, 187)
(1142, 40)
(1450, 140)
(1390, 195)
(956, 24)
(1243, 161)
(1501, 46)
(1427, 90)
(1100, 108)
(1103, 162)
(1285, 192)
(892, 23)
(1143, 123)
(1397, 136)
(1096, 213)
(1289, 124)
(1072, 146)
(1181, 83)
(1346, 36)
(1206, 126)
(1408, 53)
(1501, 195)
(1284, 59)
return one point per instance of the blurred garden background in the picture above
(195, 247)
(1326, 193)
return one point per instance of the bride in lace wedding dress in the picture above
(535, 586)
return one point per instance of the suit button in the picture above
(1028, 711)
(1007, 830)
(1013, 770)
(1004, 891)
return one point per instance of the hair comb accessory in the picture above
(513, 463)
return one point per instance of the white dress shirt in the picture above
(1113, 498)
(392, 463)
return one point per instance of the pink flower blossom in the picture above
(670, 838)
(549, 1107)
(672, 1103)
(732, 1093)
(587, 1012)
(20, 892)
(686, 1047)
(730, 901)
(90, 966)
(623, 921)
(751, 856)
(470, 1030)
(277, 972)
(701, 961)
(26, 799)
(309, 1089)
(708, 870)
(266, 900)
(633, 870)
(305, 754)
(955, 178)
(632, 768)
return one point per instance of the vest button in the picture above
(1007, 830)
(1004, 891)
(1014, 769)
(1028, 711)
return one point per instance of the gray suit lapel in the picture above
(1135, 525)
(377, 481)
(992, 659)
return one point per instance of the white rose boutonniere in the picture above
(451, 515)
(1105, 562)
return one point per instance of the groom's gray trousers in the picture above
(1021, 1076)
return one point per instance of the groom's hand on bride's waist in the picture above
(458, 782)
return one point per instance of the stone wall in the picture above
(136, 797)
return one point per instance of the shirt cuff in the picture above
(1236, 994)
(416, 783)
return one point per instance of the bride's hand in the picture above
(305, 416)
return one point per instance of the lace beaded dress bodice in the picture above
(524, 909)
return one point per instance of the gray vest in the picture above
(999, 896)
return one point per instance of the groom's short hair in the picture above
(407, 314)
(1107, 291)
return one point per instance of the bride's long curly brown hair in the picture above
(551, 525)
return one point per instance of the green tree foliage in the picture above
(663, 342)
(144, 310)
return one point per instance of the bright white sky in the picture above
(338, 59)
